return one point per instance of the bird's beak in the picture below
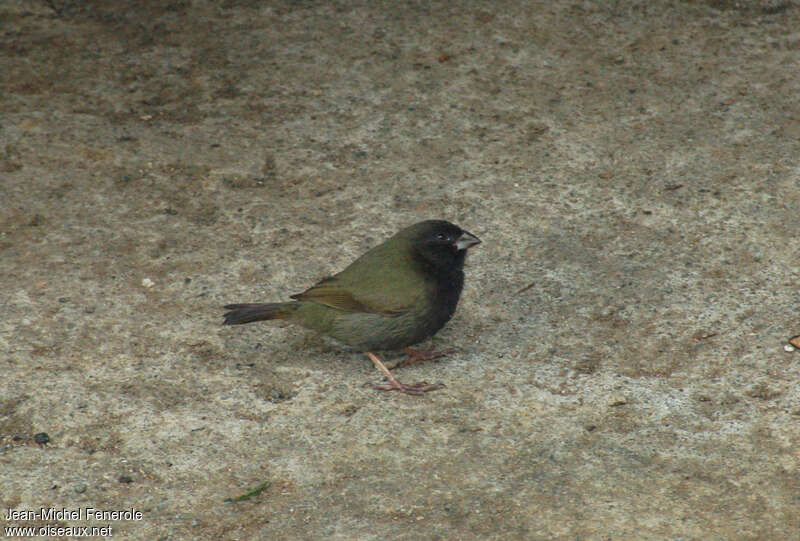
(466, 240)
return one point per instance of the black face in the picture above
(436, 244)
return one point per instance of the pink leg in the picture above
(416, 355)
(394, 385)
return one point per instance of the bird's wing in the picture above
(336, 294)
(382, 281)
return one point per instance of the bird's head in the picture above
(439, 244)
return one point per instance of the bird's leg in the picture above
(416, 355)
(394, 385)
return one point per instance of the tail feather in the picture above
(239, 314)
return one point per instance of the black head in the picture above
(440, 245)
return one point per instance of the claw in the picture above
(416, 355)
(415, 389)
(394, 385)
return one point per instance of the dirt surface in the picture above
(621, 371)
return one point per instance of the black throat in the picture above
(447, 278)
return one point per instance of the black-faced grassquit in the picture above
(394, 296)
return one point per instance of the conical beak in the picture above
(466, 240)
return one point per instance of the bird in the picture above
(395, 295)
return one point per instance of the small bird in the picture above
(397, 294)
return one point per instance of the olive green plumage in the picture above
(395, 295)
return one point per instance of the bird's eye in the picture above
(441, 236)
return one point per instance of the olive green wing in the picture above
(331, 292)
(379, 282)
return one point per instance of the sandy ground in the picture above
(620, 368)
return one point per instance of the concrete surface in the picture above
(632, 168)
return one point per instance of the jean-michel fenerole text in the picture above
(80, 513)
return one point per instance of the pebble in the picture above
(617, 400)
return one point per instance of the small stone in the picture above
(41, 438)
(125, 479)
(617, 400)
(148, 283)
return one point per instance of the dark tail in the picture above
(239, 314)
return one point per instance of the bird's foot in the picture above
(394, 385)
(416, 355)
(414, 388)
